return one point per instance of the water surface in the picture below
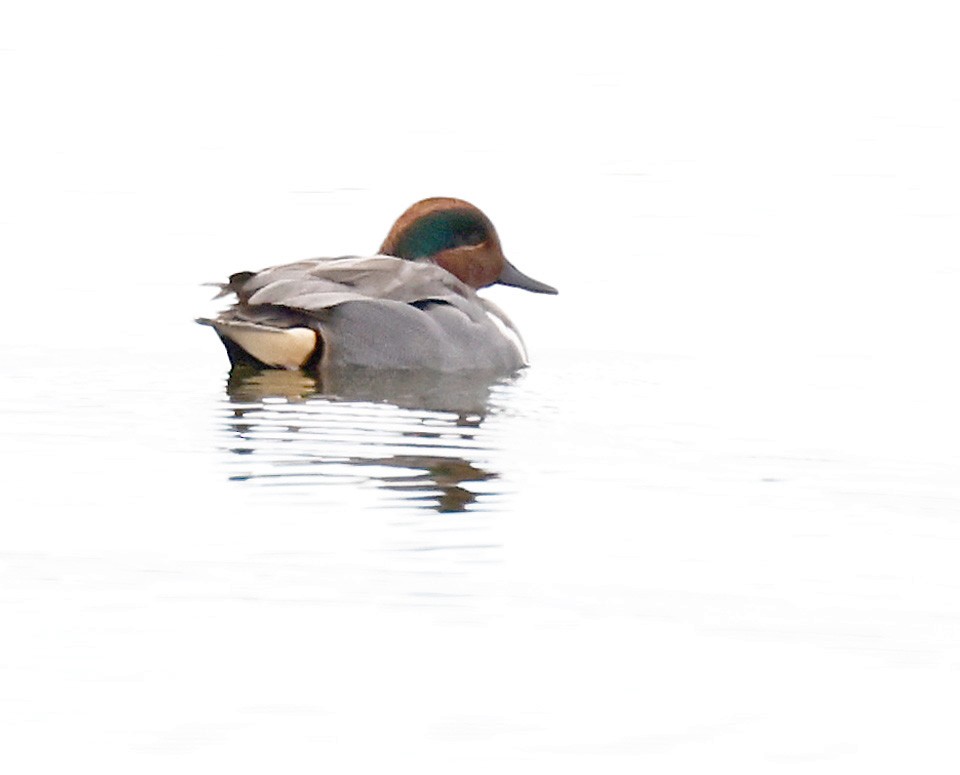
(713, 525)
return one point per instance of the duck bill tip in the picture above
(517, 279)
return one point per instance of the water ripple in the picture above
(418, 440)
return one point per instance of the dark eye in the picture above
(473, 236)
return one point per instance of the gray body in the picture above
(376, 312)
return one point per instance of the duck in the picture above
(412, 306)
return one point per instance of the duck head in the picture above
(460, 238)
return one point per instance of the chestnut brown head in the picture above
(459, 237)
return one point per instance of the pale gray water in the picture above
(714, 526)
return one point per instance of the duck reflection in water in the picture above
(414, 434)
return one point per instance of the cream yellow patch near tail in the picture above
(283, 348)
